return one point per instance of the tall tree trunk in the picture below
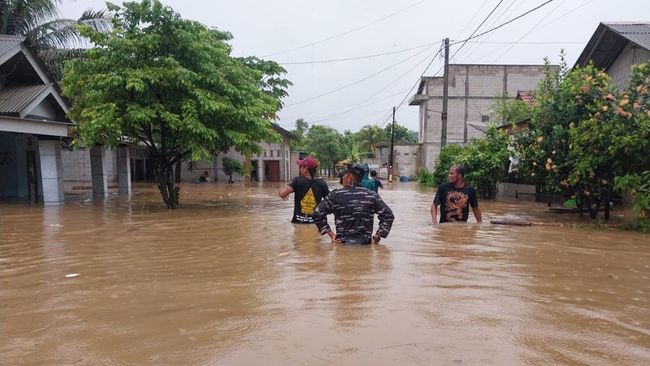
(164, 173)
(608, 198)
(177, 175)
(247, 169)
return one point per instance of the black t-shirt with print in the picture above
(454, 202)
(307, 195)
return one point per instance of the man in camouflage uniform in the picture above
(354, 208)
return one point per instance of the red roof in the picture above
(526, 97)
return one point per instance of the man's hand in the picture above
(284, 193)
(332, 236)
(375, 239)
(434, 213)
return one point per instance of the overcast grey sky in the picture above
(293, 31)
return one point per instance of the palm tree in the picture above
(52, 37)
(369, 136)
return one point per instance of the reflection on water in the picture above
(228, 280)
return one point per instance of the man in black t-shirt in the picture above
(309, 191)
(454, 199)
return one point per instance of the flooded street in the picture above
(228, 280)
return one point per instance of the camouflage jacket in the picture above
(354, 209)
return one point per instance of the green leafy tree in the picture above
(51, 36)
(172, 85)
(614, 143)
(324, 143)
(232, 166)
(506, 109)
(484, 160)
(402, 134)
(447, 157)
(368, 137)
(300, 131)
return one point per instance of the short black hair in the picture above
(459, 169)
(373, 173)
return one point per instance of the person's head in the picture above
(206, 173)
(456, 174)
(352, 175)
(307, 166)
(373, 173)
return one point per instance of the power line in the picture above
(309, 117)
(529, 42)
(414, 85)
(356, 82)
(356, 58)
(563, 15)
(492, 23)
(418, 80)
(530, 30)
(472, 18)
(504, 24)
(360, 104)
(477, 28)
(346, 32)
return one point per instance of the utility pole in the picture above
(392, 147)
(445, 96)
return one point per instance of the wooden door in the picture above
(272, 170)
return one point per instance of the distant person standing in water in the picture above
(454, 198)
(354, 209)
(373, 176)
(308, 189)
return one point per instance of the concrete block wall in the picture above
(620, 69)
(76, 165)
(472, 89)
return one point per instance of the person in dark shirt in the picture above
(454, 199)
(354, 208)
(373, 176)
(308, 189)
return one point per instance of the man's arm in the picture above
(477, 214)
(320, 218)
(284, 193)
(385, 216)
(434, 213)
(473, 201)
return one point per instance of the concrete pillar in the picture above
(260, 170)
(98, 171)
(51, 170)
(124, 169)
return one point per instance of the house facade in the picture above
(33, 127)
(272, 164)
(472, 91)
(405, 160)
(615, 47)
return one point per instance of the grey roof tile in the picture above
(14, 99)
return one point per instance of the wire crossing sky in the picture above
(351, 61)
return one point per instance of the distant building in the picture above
(33, 126)
(405, 159)
(615, 47)
(472, 91)
(272, 164)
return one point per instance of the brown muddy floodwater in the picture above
(228, 280)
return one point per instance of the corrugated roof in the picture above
(609, 40)
(8, 43)
(638, 33)
(14, 99)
